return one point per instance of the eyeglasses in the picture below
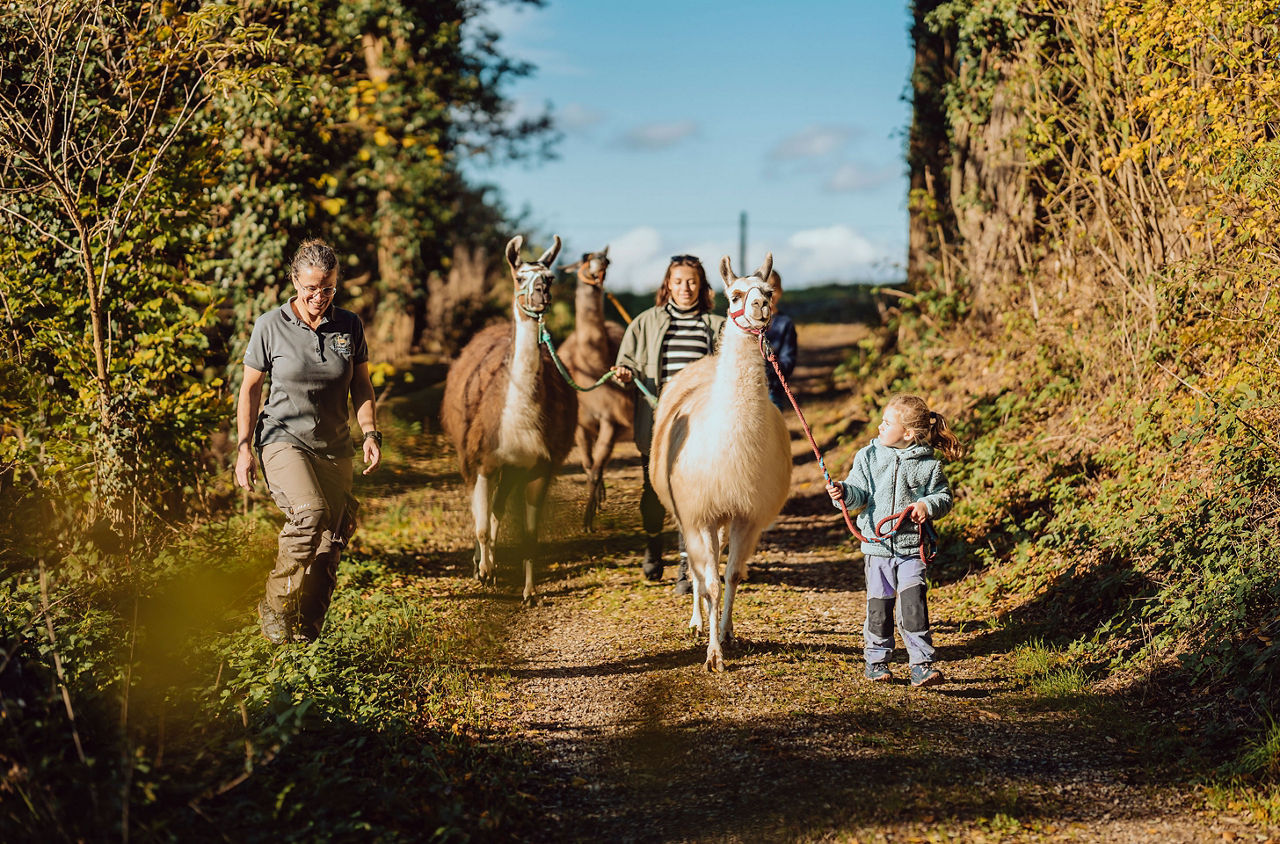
(324, 292)
(691, 260)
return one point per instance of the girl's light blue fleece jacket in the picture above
(887, 480)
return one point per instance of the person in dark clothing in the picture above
(782, 338)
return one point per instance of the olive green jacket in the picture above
(641, 352)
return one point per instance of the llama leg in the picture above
(599, 459)
(704, 568)
(701, 591)
(534, 496)
(695, 620)
(586, 447)
(482, 514)
(742, 544)
(582, 438)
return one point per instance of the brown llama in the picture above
(510, 416)
(721, 458)
(604, 414)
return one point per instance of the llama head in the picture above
(532, 278)
(750, 297)
(591, 268)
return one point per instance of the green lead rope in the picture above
(544, 337)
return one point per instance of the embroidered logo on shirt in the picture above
(341, 343)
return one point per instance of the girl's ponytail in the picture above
(941, 437)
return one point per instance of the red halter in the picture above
(733, 315)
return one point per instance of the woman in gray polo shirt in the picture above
(316, 356)
(658, 343)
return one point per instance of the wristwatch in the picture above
(376, 436)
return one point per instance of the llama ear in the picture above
(513, 251)
(549, 257)
(766, 267)
(605, 253)
(726, 270)
(572, 268)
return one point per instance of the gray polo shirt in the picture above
(310, 377)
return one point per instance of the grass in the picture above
(1045, 671)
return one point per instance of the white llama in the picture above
(721, 457)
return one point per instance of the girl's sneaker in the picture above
(925, 674)
(878, 672)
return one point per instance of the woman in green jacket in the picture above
(658, 343)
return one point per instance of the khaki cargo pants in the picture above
(314, 492)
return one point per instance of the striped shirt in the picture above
(686, 340)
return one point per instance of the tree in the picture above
(362, 145)
(100, 184)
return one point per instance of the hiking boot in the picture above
(878, 672)
(275, 625)
(925, 674)
(652, 564)
(305, 633)
(684, 586)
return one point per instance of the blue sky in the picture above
(678, 116)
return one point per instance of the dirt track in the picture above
(631, 740)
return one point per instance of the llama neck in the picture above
(525, 362)
(520, 435)
(740, 378)
(593, 339)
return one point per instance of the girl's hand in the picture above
(919, 513)
(836, 490)
(623, 374)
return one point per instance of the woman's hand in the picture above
(836, 490)
(623, 374)
(246, 473)
(372, 455)
(919, 513)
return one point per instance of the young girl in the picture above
(898, 471)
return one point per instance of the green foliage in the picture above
(361, 143)
(186, 712)
(1110, 365)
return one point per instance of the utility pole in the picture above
(742, 242)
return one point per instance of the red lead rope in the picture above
(898, 519)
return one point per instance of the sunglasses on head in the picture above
(685, 259)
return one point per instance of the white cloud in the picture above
(636, 260)
(833, 253)
(574, 117)
(851, 178)
(659, 135)
(812, 142)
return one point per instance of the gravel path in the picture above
(631, 740)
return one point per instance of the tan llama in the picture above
(510, 416)
(604, 414)
(721, 459)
